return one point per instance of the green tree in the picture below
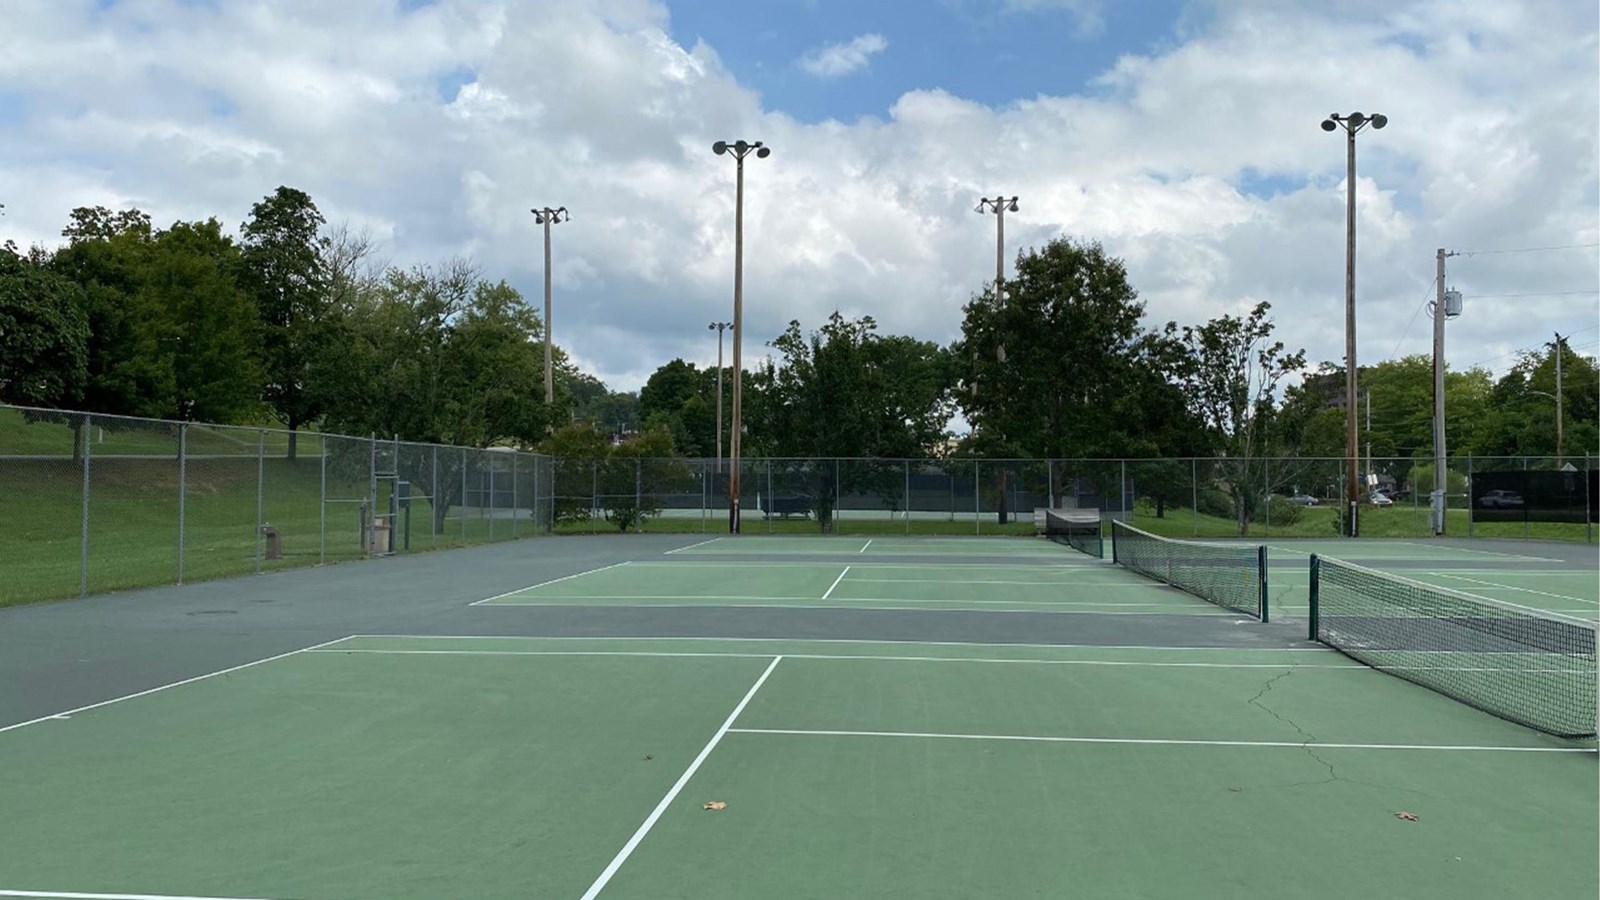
(845, 391)
(284, 270)
(44, 334)
(106, 256)
(1231, 379)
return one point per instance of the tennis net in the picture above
(1079, 529)
(1226, 574)
(1528, 666)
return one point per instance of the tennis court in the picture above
(917, 718)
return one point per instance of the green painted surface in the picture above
(360, 776)
(827, 817)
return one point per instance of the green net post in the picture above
(1261, 555)
(1316, 578)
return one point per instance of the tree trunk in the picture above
(294, 435)
(1161, 507)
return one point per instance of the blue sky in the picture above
(980, 51)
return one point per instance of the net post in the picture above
(1261, 561)
(1316, 579)
(1114, 541)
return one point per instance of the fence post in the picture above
(1588, 511)
(1469, 496)
(1194, 495)
(322, 506)
(261, 485)
(837, 500)
(463, 516)
(594, 495)
(977, 500)
(638, 495)
(769, 493)
(907, 502)
(433, 501)
(490, 458)
(1525, 505)
(83, 539)
(1123, 506)
(516, 463)
(183, 446)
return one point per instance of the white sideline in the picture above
(672, 794)
(1298, 745)
(72, 712)
(738, 640)
(692, 546)
(836, 582)
(543, 583)
(672, 654)
(1511, 587)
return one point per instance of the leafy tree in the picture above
(44, 334)
(106, 256)
(844, 391)
(284, 270)
(1231, 379)
(195, 336)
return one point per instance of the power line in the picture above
(1526, 249)
(1521, 350)
(1537, 294)
(1424, 305)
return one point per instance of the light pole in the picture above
(548, 217)
(719, 328)
(999, 205)
(1351, 124)
(739, 149)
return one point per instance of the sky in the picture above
(1183, 136)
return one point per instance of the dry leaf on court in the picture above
(1233, 790)
(649, 756)
(716, 804)
(1408, 816)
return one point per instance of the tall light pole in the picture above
(548, 217)
(739, 149)
(719, 328)
(1351, 124)
(1560, 413)
(999, 205)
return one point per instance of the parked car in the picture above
(1379, 498)
(1498, 499)
(1303, 500)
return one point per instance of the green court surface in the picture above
(1067, 588)
(500, 767)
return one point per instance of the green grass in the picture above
(1398, 521)
(133, 523)
(716, 522)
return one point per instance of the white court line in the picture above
(672, 654)
(650, 821)
(71, 895)
(1337, 554)
(692, 546)
(543, 583)
(836, 583)
(552, 599)
(72, 712)
(923, 567)
(1509, 587)
(1090, 584)
(764, 640)
(1298, 745)
(1036, 608)
(865, 546)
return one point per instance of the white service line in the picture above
(71, 895)
(671, 654)
(691, 546)
(763, 640)
(865, 546)
(836, 582)
(672, 794)
(1155, 741)
(1508, 587)
(72, 712)
(543, 583)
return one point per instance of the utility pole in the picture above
(1442, 306)
(1351, 124)
(548, 217)
(740, 149)
(719, 328)
(998, 206)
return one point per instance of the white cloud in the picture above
(1089, 13)
(834, 60)
(192, 111)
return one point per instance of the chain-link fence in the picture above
(92, 503)
(1200, 497)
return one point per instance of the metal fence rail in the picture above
(91, 503)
